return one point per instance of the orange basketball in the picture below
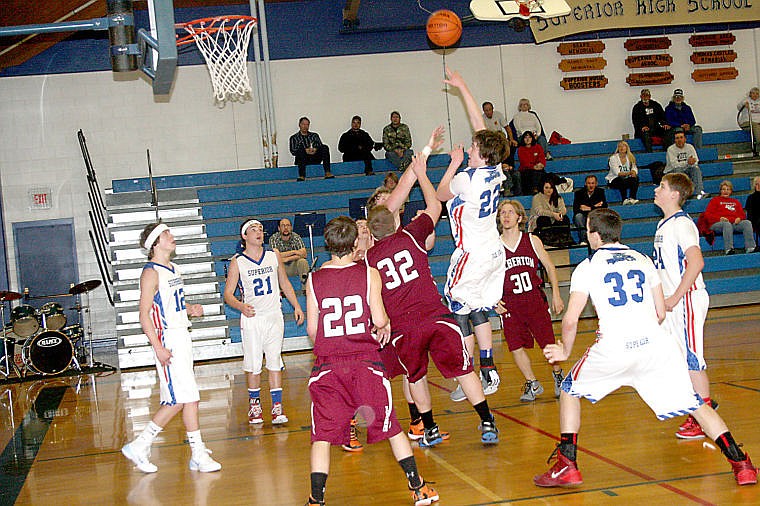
(444, 28)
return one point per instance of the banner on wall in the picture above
(597, 15)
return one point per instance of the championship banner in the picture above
(591, 16)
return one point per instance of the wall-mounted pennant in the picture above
(648, 60)
(586, 47)
(649, 78)
(712, 39)
(581, 64)
(583, 82)
(647, 44)
(717, 56)
(716, 74)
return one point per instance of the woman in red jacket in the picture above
(532, 163)
(724, 215)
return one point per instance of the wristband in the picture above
(427, 150)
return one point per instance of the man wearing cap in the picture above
(292, 250)
(260, 275)
(648, 119)
(679, 115)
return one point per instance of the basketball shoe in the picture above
(558, 377)
(417, 430)
(314, 502)
(744, 472)
(690, 419)
(564, 472)
(489, 434)
(278, 417)
(424, 495)
(458, 394)
(489, 377)
(139, 454)
(201, 461)
(353, 444)
(430, 438)
(531, 390)
(255, 414)
(690, 430)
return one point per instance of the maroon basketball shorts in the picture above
(525, 321)
(437, 335)
(342, 386)
(393, 366)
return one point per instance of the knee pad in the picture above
(478, 318)
(463, 321)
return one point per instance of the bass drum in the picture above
(48, 352)
(24, 320)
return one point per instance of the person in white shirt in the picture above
(682, 157)
(623, 174)
(749, 114)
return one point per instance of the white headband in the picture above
(247, 224)
(154, 235)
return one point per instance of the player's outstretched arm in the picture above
(694, 265)
(287, 289)
(456, 80)
(148, 289)
(432, 204)
(551, 271)
(444, 187)
(561, 351)
(233, 276)
(312, 312)
(379, 317)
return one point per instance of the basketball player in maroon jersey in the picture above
(523, 307)
(344, 308)
(422, 324)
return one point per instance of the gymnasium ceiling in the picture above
(16, 50)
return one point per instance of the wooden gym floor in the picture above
(60, 440)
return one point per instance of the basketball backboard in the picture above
(504, 10)
(158, 47)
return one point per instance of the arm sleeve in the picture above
(459, 183)
(579, 279)
(387, 139)
(315, 140)
(577, 200)
(293, 145)
(342, 143)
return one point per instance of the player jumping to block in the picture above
(344, 309)
(421, 323)
(679, 262)
(259, 274)
(523, 308)
(164, 319)
(631, 349)
(476, 270)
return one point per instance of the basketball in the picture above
(444, 28)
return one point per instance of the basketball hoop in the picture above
(526, 8)
(223, 42)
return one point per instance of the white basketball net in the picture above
(225, 49)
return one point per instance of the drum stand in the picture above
(85, 308)
(7, 356)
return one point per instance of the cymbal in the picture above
(4, 295)
(85, 286)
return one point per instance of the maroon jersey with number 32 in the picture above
(342, 297)
(409, 289)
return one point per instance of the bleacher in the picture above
(228, 198)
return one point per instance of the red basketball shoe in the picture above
(564, 473)
(744, 472)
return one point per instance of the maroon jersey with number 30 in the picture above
(342, 296)
(522, 284)
(409, 289)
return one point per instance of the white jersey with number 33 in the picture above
(619, 281)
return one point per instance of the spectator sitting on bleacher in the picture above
(682, 157)
(679, 115)
(307, 148)
(495, 122)
(586, 199)
(292, 250)
(526, 120)
(749, 116)
(532, 164)
(623, 174)
(724, 214)
(357, 145)
(397, 141)
(752, 207)
(548, 217)
(390, 181)
(648, 118)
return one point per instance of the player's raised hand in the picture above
(457, 154)
(436, 138)
(454, 78)
(298, 314)
(195, 310)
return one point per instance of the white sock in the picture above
(195, 440)
(149, 433)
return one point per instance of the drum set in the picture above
(48, 345)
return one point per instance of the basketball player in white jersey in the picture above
(678, 259)
(476, 271)
(631, 349)
(164, 319)
(260, 274)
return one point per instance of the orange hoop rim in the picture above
(209, 26)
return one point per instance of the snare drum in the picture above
(24, 320)
(52, 316)
(73, 332)
(49, 352)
